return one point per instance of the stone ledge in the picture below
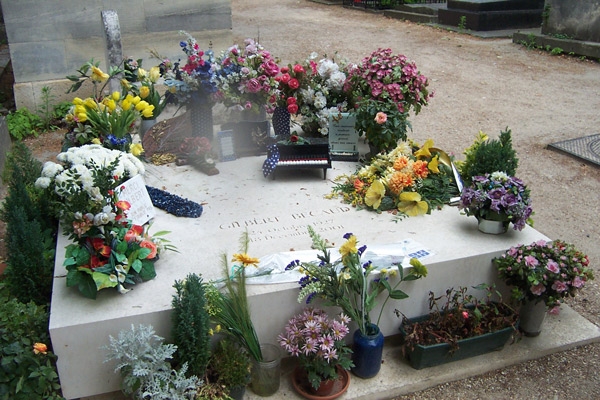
(576, 47)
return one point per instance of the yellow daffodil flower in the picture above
(154, 74)
(245, 259)
(424, 151)
(98, 75)
(374, 194)
(349, 247)
(434, 165)
(419, 269)
(144, 92)
(136, 149)
(411, 204)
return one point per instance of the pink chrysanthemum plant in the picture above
(318, 343)
(544, 271)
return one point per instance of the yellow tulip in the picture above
(79, 109)
(77, 101)
(136, 149)
(110, 104)
(374, 194)
(148, 112)
(136, 99)
(90, 103)
(82, 117)
(141, 73)
(98, 75)
(144, 92)
(411, 204)
(126, 104)
(116, 96)
(154, 74)
(125, 84)
(141, 105)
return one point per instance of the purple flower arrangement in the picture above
(498, 197)
(318, 342)
(544, 271)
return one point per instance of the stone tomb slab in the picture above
(276, 214)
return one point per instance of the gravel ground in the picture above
(480, 84)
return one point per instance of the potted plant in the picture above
(348, 283)
(385, 87)
(410, 180)
(496, 200)
(317, 342)
(229, 367)
(462, 327)
(227, 305)
(541, 274)
(487, 155)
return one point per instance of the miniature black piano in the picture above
(313, 155)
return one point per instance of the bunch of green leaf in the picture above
(230, 364)
(143, 361)
(22, 123)
(229, 307)
(30, 232)
(487, 156)
(24, 374)
(191, 324)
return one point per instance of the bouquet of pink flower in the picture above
(318, 343)
(544, 271)
(245, 76)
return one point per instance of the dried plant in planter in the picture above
(462, 316)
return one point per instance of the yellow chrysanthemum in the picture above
(411, 204)
(349, 247)
(434, 165)
(419, 268)
(144, 92)
(98, 75)
(136, 149)
(424, 151)
(154, 74)
(374, 194)
(245, 259)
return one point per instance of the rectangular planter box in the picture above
(437, 354)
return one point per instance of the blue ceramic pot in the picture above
(367, 352)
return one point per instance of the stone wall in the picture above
(50, 39)
(578, 20)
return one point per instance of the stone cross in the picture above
(114, 50)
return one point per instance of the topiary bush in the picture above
(191, 324)
(487, 156)
(30, 232)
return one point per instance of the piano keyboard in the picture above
(301, 160)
